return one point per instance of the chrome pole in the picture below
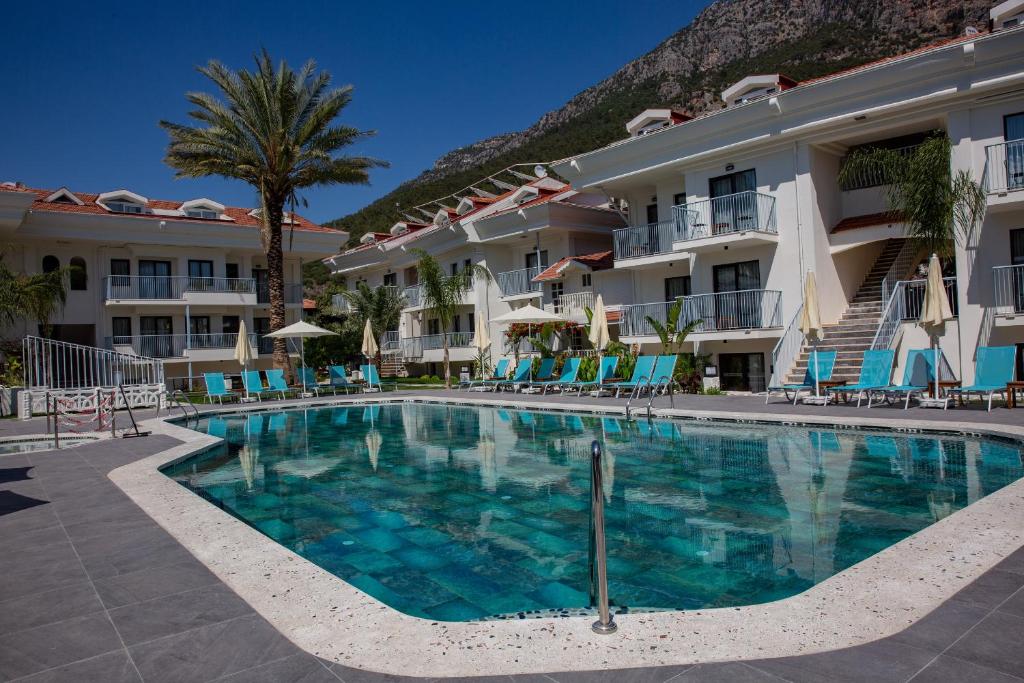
(605, 624)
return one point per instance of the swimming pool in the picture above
(457, 513)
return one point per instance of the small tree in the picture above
(382, 306)
(36, 297)
(669, 332)
(443, 295)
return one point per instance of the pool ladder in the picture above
(598, 560)
(181, 399)
(665, 383)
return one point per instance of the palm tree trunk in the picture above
(447, 366)
(275, 282)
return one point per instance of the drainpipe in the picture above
(188, 343)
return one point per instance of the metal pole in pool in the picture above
(604, 624)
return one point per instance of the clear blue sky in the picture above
(84, 83)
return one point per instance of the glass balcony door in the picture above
(1013, 130)
(731, 308)
(733, 211)
(154, 279)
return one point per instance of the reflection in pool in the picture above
(457, 513)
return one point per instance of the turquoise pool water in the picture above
(457, 513)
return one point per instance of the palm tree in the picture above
(669, 332)
(273, 128)
(35, 297)
(938, 208)
(443, 295)
(382, 306)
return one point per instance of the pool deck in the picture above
(94, 589)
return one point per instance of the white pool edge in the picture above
(327, 617)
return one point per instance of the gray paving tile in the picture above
(176, 613)
(113, 667)
(882, 660)
(1014, 604)
(635, 675)
(349, 675)
(938, 630)
(211, 651)
(301, 668)
(39, 569)
(946, 669)
(995, 643)
(1014, 563)
(115, 529)
(73, 600)
(725, 672)
(146, 584)
(164, 551)
(38, 649)
(23, 521)
(991, 588)
(35, 538)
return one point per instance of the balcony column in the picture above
(188, 343)
(973, 269)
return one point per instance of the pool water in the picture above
(457, 513)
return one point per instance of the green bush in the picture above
(710, 391)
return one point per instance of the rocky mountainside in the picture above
(727, 41)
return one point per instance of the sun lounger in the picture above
(992, 371)
(307, 379)
(875, 375)
(275, 382)
(339, 380)
(917, 376)
(605, 371)
(499, 375)
(254, 384)
(216, 387)
(372, 378)
(826, 361)
(642, 372)
(519, 376)
(544, 373)
(570, 369)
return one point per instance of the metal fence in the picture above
(176, 345)
(634, 322)
(905, 304)
(643, 240)
(413, 296)
(1008, 285)
(60, 365)
(737, 212)
(742, 310)
(1004, 166)
(513, 282)
(171, 287)
(455, 340)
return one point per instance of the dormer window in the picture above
(123, 207)
(1007, 14)
(202, 213)
(64, 196)
(202, 208)
(122, 201)
(755, 87)
(652, 120)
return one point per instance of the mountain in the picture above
(728, 40)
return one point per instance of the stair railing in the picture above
(898, 270)
(892, 317)
(786, 349)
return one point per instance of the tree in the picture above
(272, 128)
(444, 294)
(382, 306)
(35, 297)
(939, 208)
(669, 332)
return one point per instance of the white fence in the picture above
(51, 364)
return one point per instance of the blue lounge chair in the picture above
(254, 384)
(499, 375)
(642, 372)
(307, 378)
(605, 371)
(664, 370)
(992, 372)
(372, 377)
(275, 382)
(544, 374)
(521, 375)
(823, 369)
(339, 380)
(917, 376)
(216, 387)
(875, 375)
(570, 369)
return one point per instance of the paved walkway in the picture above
(94, 590)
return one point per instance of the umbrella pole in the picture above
(302, 357)
(816, 369)
(935, 343)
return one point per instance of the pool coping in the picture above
(329, 618)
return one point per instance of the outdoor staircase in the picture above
(393, 365)
(852, 335)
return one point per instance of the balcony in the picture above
(747, 217)
(390, 342)
(430, 348)
(723, 314)
(413, 296)
(340, 304)
(874, 175)
(519, 282)
(645, 241)
(1008, 288)
(456, 340)
(146, 289)
(194, 347)
(572, 306)
(1004, 172)
(292, 293)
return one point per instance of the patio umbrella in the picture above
(530, 315)
(481, 340)
(369, 347)
(935, 310)
(243, 351)
(810, 321)
(599, 336)
(300, 331)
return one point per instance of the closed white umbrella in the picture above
(243, 351)
(481, 339)
(529, 314)
(599, 336)
(810, 321)
(935, 310)
(370, 347)
(301, 330)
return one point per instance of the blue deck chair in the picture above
(253, 384)
(544, 373)
(605, 371)
(917, 376)
(276, 383)
(885, 447)
(664, 369)
(307, 376)
(372, 378)
(339, 380)
(642, 372)
(527, 419)
(992, 372)
(823, 368)
(499, 375)
(875, 375)
(254, 425)
(216, 387)
(521, 375)
(824, 441)
(574, 423)
(504, 416)
(371, 413)
(570, 369)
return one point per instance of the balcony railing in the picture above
(643, 240)
(874, 175)
(390, 342)
(456, 340)
(413, 296)
(175, 345)
(572, 306)
(905, 304)
(738, 212)
(1008, 282)
(749, 309)
(1004, 166)
(340, 304)
(292, 293)
(513, 282)
(171, 287)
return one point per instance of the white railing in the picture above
(899, 269)
(176, 345)
(413, 296)
(456, 340)
(572, 306)
(1004, 166)
(738, 212)
(787, 349)
(390, 342)
(643, 240)
(1008, 286)
(59, 365)
(873, 176)
(172, 287)
(634, 322)
(341, 304)
(748, 309)
(412, 347)
(513, 282)
(905, 304)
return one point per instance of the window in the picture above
(232, 271)
(78, 275)
(200, 268)
(121, 328)
(557, 289)
(124, 207)
(467, 263)
(391, 279)
(472, 322)
(735, 277)
(202, 213)
(676, 287)
(261, 326)
(229, 324)
(457, 323)
(586, 280)
(678, 199)
(50, 264)
(199, 324)
(120, 266)
(455, 268)
(531, 259)
(434, 326)
(652, 213)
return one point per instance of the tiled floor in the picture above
(93, 590)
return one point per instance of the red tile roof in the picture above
(599, 261)
(308, 304)
(239, 215)
(867, 220)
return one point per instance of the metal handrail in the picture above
(598, 552)
(667, 383)
(786, 349)
(901, 265)
(643, 240)
(174, 396)
(637, 390)
(1004, 166)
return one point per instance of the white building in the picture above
(164, 279)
